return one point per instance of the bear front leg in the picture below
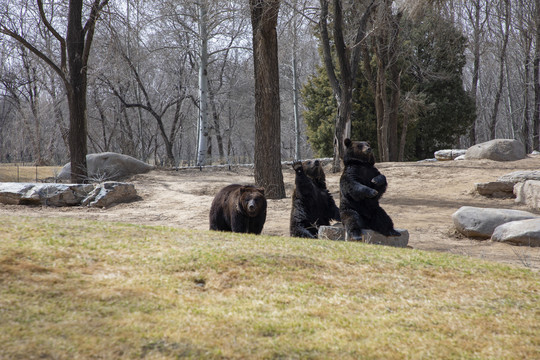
(360, 192)
(379, 180)
(382, 223)
(239, 224)
(353, 223)
(303, 233)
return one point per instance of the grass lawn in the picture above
(27, 173)
(73, 289)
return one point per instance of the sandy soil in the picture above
(421, 197)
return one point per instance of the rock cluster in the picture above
(523, 185)
(504, 225)
(94, 195)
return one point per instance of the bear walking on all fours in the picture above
(361, 187)
(239, 208)
(312, 203)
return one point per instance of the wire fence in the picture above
(21, 172)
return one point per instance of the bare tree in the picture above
(268, 173)
(72, 69)
(348, 58)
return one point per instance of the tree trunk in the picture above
(476, 65)
(77, 93)
(297, 155)
(536, 69)
(267, 158)
(502, 57)
(525, 131)
(203, 87)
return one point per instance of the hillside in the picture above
(421, 197)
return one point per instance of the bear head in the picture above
(314, 170)
(358, 152)
(252, 200)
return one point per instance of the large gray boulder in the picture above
(108, 166)
(481, 222)
(110, 192)
(528, 193)
(99, 195)
(520, 176)
(498, 150)
(504, 186)
(524, 232)
(43, 194)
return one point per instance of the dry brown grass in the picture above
(74, 289)
(26, 173)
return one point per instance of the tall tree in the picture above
(203, 84)
(72, 69)
(264, 15)
(536, 76)
(342, 77)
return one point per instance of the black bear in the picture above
(361, 186)
(239, 208)
(312, 203)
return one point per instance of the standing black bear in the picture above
(312, 203)
(239, 208)
(361, 187)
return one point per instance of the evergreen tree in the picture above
(432, 61)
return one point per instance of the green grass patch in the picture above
(80, 289)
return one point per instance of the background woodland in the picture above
(410, 77)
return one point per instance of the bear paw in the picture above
(393, 233)
(371, 193)
(379, 180)
(297, 166)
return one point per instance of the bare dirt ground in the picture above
(421, 197)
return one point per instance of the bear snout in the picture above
(252, 207)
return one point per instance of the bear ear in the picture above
(261, 190)
(347, 142)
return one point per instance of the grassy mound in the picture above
(79, 289)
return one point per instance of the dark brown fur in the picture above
(361, 187)
(239, 208)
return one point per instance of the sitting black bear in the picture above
(312, 203)
(361, 187)
(239, 208)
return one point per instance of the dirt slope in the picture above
(421, 197)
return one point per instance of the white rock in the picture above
(521, 175)
(498, 150)
(528, 193)
(100, 195)
(481, 222)
(449, 154)
(524, 232)
(108, 193)
(108, 166)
